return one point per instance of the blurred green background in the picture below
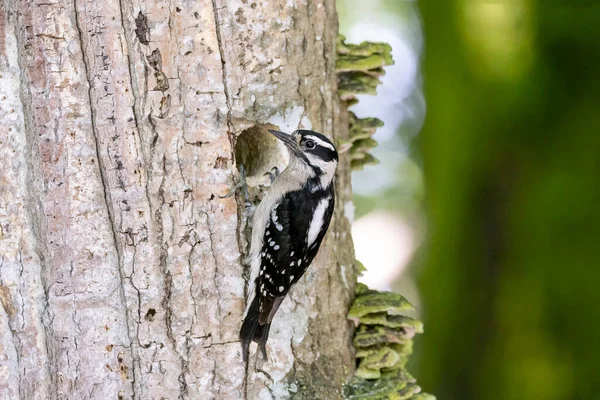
(498, 171)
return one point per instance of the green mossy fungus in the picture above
(359, 68)
(383, 338)
(383, 341)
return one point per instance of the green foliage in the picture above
(511, 158)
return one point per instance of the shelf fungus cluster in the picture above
(359, 68)
(383, 341)
(383, 338)
(361, 140)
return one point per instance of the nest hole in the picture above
(258, 151)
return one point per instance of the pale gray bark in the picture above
(120, 268)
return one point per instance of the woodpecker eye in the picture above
(309, 144)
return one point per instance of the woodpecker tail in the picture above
(252, 330)
(260, 337)
(249, 326)
(257, 323)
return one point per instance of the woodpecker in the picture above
(288, 227)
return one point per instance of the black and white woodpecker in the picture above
(288, 227)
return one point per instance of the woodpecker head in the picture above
(312, 149)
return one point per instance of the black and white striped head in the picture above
(314, 150)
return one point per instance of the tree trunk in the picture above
(121, 272)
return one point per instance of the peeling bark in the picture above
(121, 272)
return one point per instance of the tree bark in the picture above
(121, 272)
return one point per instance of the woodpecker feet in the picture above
(242, 184)
(249, 209)
(273, 174)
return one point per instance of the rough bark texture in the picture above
(121, 270)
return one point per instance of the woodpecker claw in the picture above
(242, 184)
(249, 209)
(273, 174)
(232, 191)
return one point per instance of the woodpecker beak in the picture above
(288, 140)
